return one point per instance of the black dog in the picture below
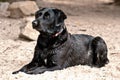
(57, 49)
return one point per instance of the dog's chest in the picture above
(48, 54)
(53, 56)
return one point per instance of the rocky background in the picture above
(93, 17)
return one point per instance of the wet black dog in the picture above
(57, 49)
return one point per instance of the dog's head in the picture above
(49, 21)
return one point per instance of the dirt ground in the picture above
(87, 17)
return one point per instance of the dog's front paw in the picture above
(15, 72)
(38, 70)
(35, 72)
(23, 69)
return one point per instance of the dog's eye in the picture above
(46, 15)
(38, 15)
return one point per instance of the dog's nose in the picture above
(35, 23)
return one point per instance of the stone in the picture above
(27, 32)
(107, 1)
(10, 1)
(4, 9)
(22, 8)
(117, 2)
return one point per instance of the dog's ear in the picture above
(60, 15)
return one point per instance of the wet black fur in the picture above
(57, 49)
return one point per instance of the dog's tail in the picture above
(99, 52)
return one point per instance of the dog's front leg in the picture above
(37, 61)
(40, 70)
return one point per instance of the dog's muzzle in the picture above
(35, 24)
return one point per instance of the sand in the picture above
(96, 19)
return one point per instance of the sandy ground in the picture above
(96, 19)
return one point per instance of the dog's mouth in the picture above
(43, 31)
(38, 29)
(49, 32)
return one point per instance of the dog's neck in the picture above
(53, 41)
(58, 33)
(61, 30)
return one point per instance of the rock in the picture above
(10, 1)
(22, 8)
(3, 9)
(107, 1)
(4, 6)
(27, 32)
(117, 2)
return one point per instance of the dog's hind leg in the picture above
(99, 52)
